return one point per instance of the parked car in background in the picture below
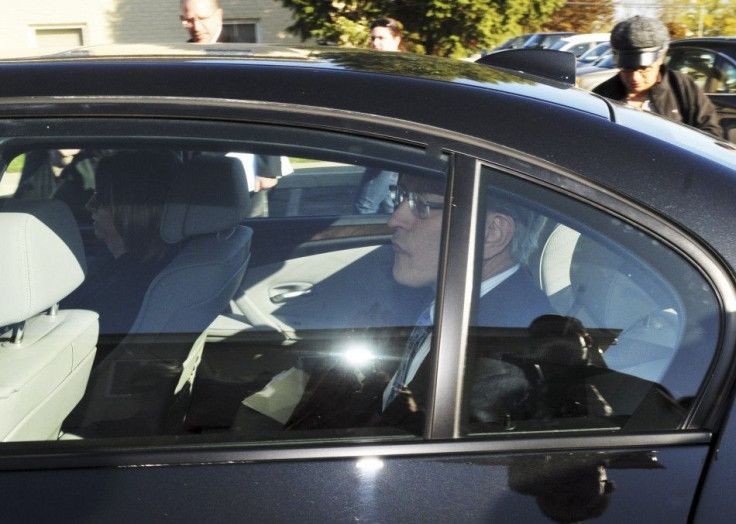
(711, 62)
(593, 55)
(615, 403)
(534, 40)
(545, 40)
(581, 43)
(514, 42)
(590, 75)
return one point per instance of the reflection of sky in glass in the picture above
(682, 135)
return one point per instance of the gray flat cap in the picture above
(638, 41)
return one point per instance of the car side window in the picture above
(696, 63)
(582, 321)
(317, 187)
(725, 78)
(209, 311)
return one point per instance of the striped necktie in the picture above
(413, 345)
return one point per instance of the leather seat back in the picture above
(143, 386)
(46, 354)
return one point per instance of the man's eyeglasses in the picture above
(419, 206)
(189, 22)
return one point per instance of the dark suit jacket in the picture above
(222, 39)
(514, 303)
(496, 384)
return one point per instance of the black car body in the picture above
(636, 243)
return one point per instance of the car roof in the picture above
(329, 61)
(508, 108)
(587, 37)
(724, 44)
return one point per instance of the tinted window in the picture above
(583, 322)
(725, 78)
(697, 63)
(229, 308)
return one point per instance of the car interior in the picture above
(251, 307)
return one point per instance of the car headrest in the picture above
(209, 195)
(42, 260)
(612, 289)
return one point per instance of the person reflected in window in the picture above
(62, 174)
(41, 173)
(126, 210)
(374, 195)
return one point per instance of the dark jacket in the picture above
(222, 39)
(515, 302)
(676, 97)
(116, 291)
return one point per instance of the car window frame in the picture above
(463, 187)
(706, 411)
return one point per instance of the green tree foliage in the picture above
(582, 16)
(700, 17)
(455, 28)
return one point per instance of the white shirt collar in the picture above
(487, 285)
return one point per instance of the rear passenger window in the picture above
(589, 323)
(240, 289)
(280, 185)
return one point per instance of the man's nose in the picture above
(401, 216)
(91, 204)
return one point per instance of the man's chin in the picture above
(407, 278)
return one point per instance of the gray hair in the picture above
(528, 225)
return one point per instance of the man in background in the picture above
(644, 82)
(203, 20)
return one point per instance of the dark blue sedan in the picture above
(259, 284)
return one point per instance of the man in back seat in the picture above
(508, 298)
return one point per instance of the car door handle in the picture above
(286, 292)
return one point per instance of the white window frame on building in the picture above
(243, 29)
(61, 33)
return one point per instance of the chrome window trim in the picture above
(27, 456)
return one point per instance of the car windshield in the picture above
(596, 53)
(606, 61)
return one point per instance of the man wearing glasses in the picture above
(203, 20)
(508, 295)
(644, 82)
(508, 299)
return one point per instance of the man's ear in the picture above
(500, 230)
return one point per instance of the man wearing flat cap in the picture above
(640, 46)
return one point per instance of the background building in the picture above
(54, 24)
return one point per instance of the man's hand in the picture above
(262, 182)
